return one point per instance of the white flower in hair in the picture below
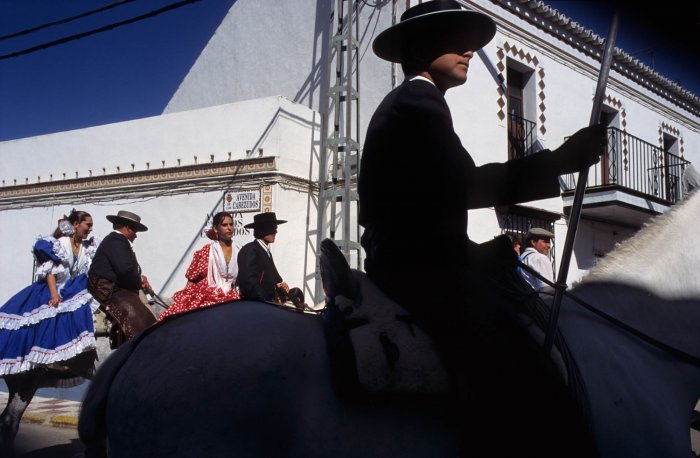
(206, 231)
(66, 227)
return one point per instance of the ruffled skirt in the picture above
(33, 333)
(196, 296)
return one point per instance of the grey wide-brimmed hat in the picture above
(264, 219)
(538, 233)
(470, 30)
(128, 219)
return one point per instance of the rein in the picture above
(156, 298)
(695, 361)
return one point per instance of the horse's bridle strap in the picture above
(687, 357)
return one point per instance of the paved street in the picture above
(49, 411)
(47, 441)
(49, 429)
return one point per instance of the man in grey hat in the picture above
(257, 275)
(115, 278)
(537, 243)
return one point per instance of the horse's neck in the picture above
(661, 258)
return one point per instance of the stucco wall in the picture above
(175, 216)
(266, 47)
(275, 124)
(240, 96)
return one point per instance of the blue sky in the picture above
(663, 35)
(132, 72)
(125, 73)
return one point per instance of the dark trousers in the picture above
(500, 375)
(126, 312)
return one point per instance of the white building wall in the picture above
(259, 84)
(269, 47)
(175, 232)
(175, 211)
(569, 83)
(275, 124)
(593, 241)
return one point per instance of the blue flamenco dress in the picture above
(32, 332)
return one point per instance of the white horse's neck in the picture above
(663, 257)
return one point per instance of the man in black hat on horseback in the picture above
(257, 275)
(115, 278)
(411, 148)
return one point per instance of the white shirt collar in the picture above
(419, 77)
(130, 244)
(264, 245)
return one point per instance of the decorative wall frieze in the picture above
(616, 103)
(553, 22)
(531, 60)
(666, 127)
(150, 183)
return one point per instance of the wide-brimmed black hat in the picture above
(469, 30)
(264, 219)
(128, 219)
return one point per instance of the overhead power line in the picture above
(98, 30)
(65, 20)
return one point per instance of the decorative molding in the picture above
(541, 107)
(266, 198)
(531, 60)
(617, 104)
(666, 127)
(146, 177)
(155, 183)
(560, 26)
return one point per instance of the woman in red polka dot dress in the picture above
(211, 277)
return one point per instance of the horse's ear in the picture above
(335, 271)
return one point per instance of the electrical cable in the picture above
(98, 30)
(65, 20)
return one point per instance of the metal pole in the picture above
(581, 186)
(347, 138)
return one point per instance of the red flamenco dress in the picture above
(211, 280)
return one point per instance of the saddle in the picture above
(375, 346)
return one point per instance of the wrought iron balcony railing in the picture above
(633, 164)
(521, 137)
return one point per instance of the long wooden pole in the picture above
(581, 185)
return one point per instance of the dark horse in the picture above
(251, 379)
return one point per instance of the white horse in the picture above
(66, 374)
(249, 379)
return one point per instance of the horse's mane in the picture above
(661, 258)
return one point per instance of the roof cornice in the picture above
(550, 20)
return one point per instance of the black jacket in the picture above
(116, 261)
(257, 274)
(417, 182)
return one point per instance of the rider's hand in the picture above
(283, 286)
(54, 301)
(144, 283)
(581, 150)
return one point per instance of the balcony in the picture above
(521, 137)
(633, 181)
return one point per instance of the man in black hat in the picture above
(413, 160)
(257, 275)
(115, 278)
